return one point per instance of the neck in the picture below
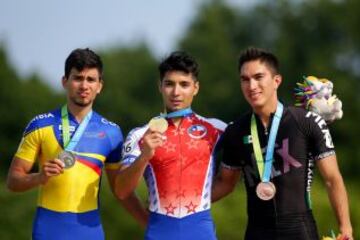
(265, 112)
(176, 121)
(79, 112)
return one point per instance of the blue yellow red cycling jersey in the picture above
(179, 176)
(75, 192)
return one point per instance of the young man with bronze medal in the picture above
(294, 141)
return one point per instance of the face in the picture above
(82, 86)
(259, 84)
(178, 90)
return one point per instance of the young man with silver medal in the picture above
(278, 187)
(71, 145)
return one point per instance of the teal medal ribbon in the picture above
(70, 143)
(178, 113)
(265, 189)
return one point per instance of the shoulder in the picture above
(214, 122)
(303, 116)
(131, 144)
(296, 112)
(106, 124)
(137, 133)
(237, 128)
(111, 130)
(240, 123)
(42, 120)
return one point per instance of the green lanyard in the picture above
(265, 171)
(65, 125)
(256, 146)
(69, 144)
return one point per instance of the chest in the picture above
(186, 145)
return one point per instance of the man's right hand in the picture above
(51, 168)
(151, 140)
(20, 178)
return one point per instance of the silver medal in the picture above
(67, 158)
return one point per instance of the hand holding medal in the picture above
(51, 168)
(68, 158)
(154, 136)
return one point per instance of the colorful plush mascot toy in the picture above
(315, 94)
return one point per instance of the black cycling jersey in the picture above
(303, 137)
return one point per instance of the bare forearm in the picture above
(20, 182)
(128, 178)
(339, 201)
(133, 205)
(220, 190)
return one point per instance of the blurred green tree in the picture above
(20, 100)
(130, 96)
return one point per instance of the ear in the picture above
(159, 85)
(63, 82)
(100, 86)
(197, 87)
(278, 80)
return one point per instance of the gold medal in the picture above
(158, 124)
(68, 158)
(265, 190)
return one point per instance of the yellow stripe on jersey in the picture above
(92, 155)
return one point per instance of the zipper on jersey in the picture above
(180, 165)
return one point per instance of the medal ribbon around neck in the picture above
(178, 113)
(265, 167)
(69, 144)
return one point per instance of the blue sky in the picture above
(38, 35)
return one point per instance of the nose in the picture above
(83, 84)
(252, 84)
(176, 90)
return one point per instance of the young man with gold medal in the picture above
(175, 154)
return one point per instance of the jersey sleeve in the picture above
(231, 152)
(30, 143)
(116, 141)
(319, 138)
(321, 144)
(131, 149)
(220, 126)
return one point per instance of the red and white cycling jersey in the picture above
(179, 176)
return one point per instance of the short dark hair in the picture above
(83, 58)
(253, 53)
(179, 61)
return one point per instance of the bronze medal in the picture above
(265, 190)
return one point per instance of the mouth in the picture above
(83, 95)
(176, 102)
(254, 95)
